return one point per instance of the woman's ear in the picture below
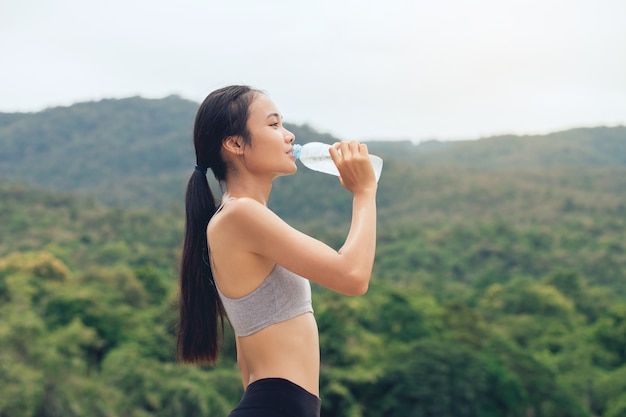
(233, 145)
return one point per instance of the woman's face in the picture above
(270, 149)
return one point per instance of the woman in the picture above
(258, 268)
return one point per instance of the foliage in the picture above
(498, 286)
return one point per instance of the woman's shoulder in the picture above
(241, 212)
(242, 207)
(246, 224)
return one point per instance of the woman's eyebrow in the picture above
(274, 115)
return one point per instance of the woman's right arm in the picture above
(360, 246)
(256, 230)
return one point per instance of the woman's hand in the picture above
(354, 166)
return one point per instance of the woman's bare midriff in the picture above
(288, 349)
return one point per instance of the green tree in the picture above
(436, 378)
(610, 331)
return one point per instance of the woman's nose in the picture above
(290, 136)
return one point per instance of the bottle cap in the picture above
(295, 151)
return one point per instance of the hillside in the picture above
(510, 308)
(577, 148)
(137, 152)
(498, 286)
(131, 152)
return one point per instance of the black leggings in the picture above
(277, 397)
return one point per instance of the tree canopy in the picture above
(499, 283)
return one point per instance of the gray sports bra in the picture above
(281, 296)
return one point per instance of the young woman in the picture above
(242, 260)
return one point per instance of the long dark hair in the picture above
(223, 113)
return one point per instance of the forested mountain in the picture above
(581, 147)
(131, 152)
(137, 151)
(499, 285)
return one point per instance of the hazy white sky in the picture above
(397, 69)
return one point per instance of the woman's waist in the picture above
(288, 350)
(308, 381)
(284, 358)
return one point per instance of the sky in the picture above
(358, 69)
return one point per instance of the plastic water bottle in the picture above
(315, 156)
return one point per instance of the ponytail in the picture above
(223, 113)
(201, 310)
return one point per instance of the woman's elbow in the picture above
(359, 285)
(361, 289)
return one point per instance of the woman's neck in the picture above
(254, 189)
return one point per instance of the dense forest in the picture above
(499, 285)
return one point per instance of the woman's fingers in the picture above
(354, 166)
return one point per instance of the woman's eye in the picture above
(275, 124)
